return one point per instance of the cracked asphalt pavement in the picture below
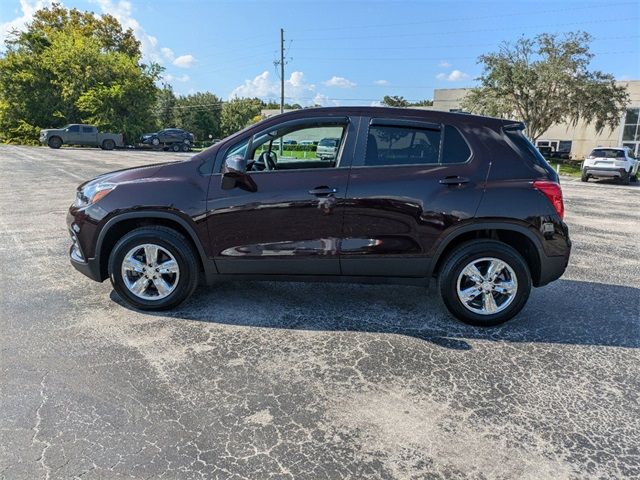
(251, 380)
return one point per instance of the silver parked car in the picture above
(328, 148)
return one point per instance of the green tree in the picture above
(422, 103)
(546, 81)
(165, 105)
(394, 101)
(238, 113)
(199, 114)
(71, 66)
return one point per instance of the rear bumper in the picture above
(604, 172)
(552, 268)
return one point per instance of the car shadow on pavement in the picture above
(565, 312)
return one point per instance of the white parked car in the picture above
(327, 148)
(611, 162)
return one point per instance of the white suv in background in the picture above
(611, 162)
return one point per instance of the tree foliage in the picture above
(394, 101)
(238, 113)
(199, 114)
(70, 66)
(399, 101)
(546, 81)
(165, 107)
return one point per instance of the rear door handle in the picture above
(454, 180)
(323, 191)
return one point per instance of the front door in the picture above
(411, 181)
(290, 221)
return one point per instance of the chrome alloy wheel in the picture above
(150, 271)
(487, 286)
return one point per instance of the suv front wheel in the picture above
(153, 268)
(484, 282)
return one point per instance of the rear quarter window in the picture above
(527, 149)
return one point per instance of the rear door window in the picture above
(455, 148)
(390, 145)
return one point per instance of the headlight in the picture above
(92, 193)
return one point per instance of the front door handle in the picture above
(323, 190)
(454, 180)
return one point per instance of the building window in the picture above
(630, 132)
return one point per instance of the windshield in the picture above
(328, 142)
(607, 153)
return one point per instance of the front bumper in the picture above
(87, 266)
(612, 172)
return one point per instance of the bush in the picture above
(296, 148)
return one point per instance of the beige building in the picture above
(579, 139)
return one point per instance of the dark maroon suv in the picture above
(409, 196)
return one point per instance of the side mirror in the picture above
(234, 174)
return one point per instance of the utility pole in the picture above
(282, 70)
(281, 83)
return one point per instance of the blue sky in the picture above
(349, 52)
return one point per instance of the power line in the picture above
(404, 59)
(463, 19)
(457, 32)
(455, 45)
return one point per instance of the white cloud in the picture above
(339, 82)
(173, 78)
(444, 64)
(168, 53)
(454, 76)
(151, 51)
(185, 61)
(122, 11)
(381, 82)
(322, 100)
(27, 9)
(263, 86)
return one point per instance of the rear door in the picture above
(409, 182)
(89, 135)
(74, 135)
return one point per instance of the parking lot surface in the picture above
(287, 380)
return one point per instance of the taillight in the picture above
(553, 192)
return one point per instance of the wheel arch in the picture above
(517, 236)
(120, 225)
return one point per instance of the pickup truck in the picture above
(78, 134)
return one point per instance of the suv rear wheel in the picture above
(153, 268)
(625, 178)
(484, 282)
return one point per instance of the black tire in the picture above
(54, 142)
(155, 141)
(625, 179)
(108, 144)
(170, 240)
(175, 147)
(185, 147)
(634, 178)
(459, 258)
(584, 177)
